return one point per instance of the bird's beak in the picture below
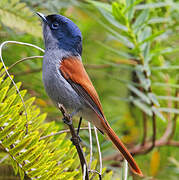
(42, 16)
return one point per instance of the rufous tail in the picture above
(120, 146)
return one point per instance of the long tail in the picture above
(120, 146)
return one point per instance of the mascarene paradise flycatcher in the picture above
(66, 81)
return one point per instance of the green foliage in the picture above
(143, 37)
(17, 15)
(46, 158)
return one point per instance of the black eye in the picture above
(55, 25)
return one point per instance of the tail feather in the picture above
(120, 146)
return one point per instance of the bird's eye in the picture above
(55, 25)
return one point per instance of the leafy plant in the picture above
(143, 33)
(140, 38)
(15, 14)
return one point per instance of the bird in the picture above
(67, 82)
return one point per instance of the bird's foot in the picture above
(80, 140)
(67, 121)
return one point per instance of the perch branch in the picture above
(153, 119)
(76, 142)
(175, 116)
(138, 149)
(91, 146)
(144, 128)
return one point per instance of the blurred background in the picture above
(130, 51)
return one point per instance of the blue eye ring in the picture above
(55, 25)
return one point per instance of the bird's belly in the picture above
(59, 90)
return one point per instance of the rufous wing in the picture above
(74, 72)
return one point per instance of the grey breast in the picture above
(57, 88)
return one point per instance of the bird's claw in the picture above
(80, 140)
(67, 121)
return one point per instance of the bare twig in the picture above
(170, 129)
(91, 146)
(30, 71)
(138, 149)
(153, 119)
(19, 61)
(125, 169)
(99, 151)
(175, 116)
(144, 128)
(75, 140)
(61, 132)
(84, 172)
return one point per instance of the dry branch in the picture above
(76, 141)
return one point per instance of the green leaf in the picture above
(152, 37)
(120, 53)
(145, 83)
(165, 85)
(123, 39)
(5, 132)
(165, 67)
(169, 110)
(118, 12)
(113, 21)
(141, 19)
(158, 113)
(130, 9)
(13, 89)
(172, 98)
(21, 172)
(142, 106)
(152, 5)
(22, 145)
(9, 100)
(139, 93)
(144, 34)
(102, 5)
(6, 82)
(3, 92)
(10, 140)
(159, 20)
(153, 99)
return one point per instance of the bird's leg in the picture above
(78, 130)
(79, 125)
(68, 121)
(77, 133)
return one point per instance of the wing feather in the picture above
(74, 72)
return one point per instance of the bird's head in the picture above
(61, 32)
